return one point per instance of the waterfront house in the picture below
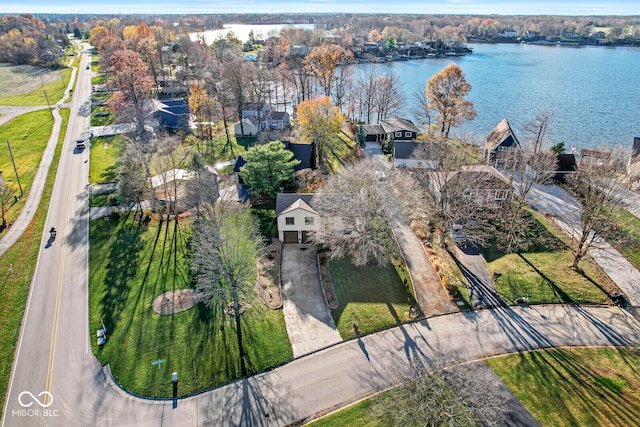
(296, 218)
(500, 144)
(398, 128)
(483, 185)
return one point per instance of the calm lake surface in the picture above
(593, 92)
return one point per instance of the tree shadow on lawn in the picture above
(371, 284)
(559, 373)
(121, 269)
(560, 294)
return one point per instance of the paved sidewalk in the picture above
(551, 199)
(306, 314)
(37, 186)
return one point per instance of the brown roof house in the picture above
(499, 145)
(482, 184)
(297, 220)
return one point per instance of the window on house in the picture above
(398, 134)
(308, 220)
(289, 220)
(407, 134)
(501, 194)
(502, 148)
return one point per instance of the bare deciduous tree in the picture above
(357, 210)
(224, 260)
(133, 182)
(600, 186)
(433, 396)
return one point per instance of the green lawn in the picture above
(28, 135)
(572, 387)
(577, 387)
(544, 273)
(130, 266)
(54, 91)
(14, 285)
(375, 297)
(99, 79)
(103, 165)
(627, 238)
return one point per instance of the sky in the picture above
(475, 7)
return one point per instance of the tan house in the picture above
(297, 220)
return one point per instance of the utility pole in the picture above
(14, 167)
(45, 95)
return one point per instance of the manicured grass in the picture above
(28, 135)
(99, 79)
(375, 297)
(54, 91)
(131, 265)
(219, 150)
(103, 165)
(544, 273)
(360, 414)
(96, 200)
(577, 387)
(627, 238)
(572, 387)
(14, 285)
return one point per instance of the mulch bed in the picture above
(268, 280)
(175, 301)
(327, 283)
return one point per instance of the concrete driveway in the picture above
(306, 314)
(481, 286)
(551, 199)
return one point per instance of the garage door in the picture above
(290, 237)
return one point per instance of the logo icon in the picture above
(35, 399)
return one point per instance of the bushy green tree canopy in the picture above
(269, 167)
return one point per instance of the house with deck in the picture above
(500, 145)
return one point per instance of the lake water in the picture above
(241, 31)
(593, 92)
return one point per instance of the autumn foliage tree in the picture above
(133, 81)
(200, 106)
(447, 94)
(319, 121)
(323, 61)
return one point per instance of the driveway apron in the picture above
(481, 287)
(306, 314)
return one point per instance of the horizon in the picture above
(364, 7)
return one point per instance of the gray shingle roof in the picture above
(395, 124)
(285, 200)
(501, 135)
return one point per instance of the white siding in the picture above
(299, 224)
